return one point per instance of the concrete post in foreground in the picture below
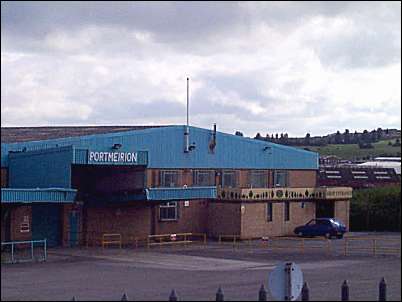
(173, 296)
(345, 291)
(219, 295)
(262, 294)
(305, 294)
(382, 295)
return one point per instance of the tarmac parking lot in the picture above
(196, 271)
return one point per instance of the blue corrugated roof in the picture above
(48, 195)
(165, 147)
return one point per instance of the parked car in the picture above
(327, 227)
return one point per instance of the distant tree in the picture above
(258, 136)
(276, 136)
(272, 137)
(346, 137)
(238, 133)
(397, 143)
(307, 139)
(338, 138)
(365, 137)
(379, 133)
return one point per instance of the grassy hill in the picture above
(353, 152)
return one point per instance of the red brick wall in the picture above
(342, 211)
(223, 219)
(254, 222)
(4, 175)
(129, 220)
(192, 219)
(301, 178)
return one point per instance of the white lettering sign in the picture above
(117, 157)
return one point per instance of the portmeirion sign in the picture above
(112, 157)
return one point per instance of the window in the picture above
(204, 178)
(269, 211)
(229, 179)
(169, 179)
(287, 211)
(281, 178)
(258, 179)
(168, 211)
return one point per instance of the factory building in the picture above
(72, 184)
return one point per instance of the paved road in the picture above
(194, 272)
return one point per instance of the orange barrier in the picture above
(111, 239)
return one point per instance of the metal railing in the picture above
(173, 239)
(262, 294)
(22, 251)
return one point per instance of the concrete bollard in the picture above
(262, 294)
(219, 295)
(124, 297)
(345, 291)
(73, 299)
(382, 295)
(305, 293)
(173, 296)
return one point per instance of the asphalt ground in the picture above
(196, 272)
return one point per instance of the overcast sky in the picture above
(265, 67)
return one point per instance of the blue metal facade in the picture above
(165, 147)
(52, 195)
(181, 193)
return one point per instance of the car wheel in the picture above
(328, 235)
(339, 236)
(300, 234)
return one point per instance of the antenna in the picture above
(187, 131)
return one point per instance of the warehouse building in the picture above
(71, 184)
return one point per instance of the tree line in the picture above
(363, 139)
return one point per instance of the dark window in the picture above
(168, 211)
(258, 179)
(269, 211)
(287, 211)
(229, 179)
(281, 178)
(204, 178)
(169, 178)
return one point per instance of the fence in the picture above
(172, 239)
(349, 246)
(23, 251)
(377, 245)
(262, 294)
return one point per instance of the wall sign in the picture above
(112, 157)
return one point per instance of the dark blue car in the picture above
(328, 227)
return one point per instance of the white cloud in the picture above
(261, 67)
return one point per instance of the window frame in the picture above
(234, 172)
(163, 174)
(265, 175)
(196, 174)
(286, 210)
(275, 178)
(270, 211)
(166, 206)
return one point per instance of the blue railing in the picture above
(181, 193)
(22, 246)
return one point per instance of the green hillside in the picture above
(353, 152)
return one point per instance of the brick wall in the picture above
(130, 221)
(223, 219)
(342, 209)
(192, 219)
(21, 215)
(4, 181)
(254, 219)
(301, 178)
